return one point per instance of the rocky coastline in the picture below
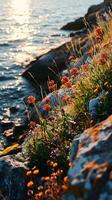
(87, 153)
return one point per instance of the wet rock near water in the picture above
(12, 177)
(90, 175)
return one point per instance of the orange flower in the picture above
(47, 178)
(64, 187)
(55, 165)
(74, 71)
(32, 125)
(47, 107)
(85, 66)
(52, 87)
(31, 100)
(51, 82)
(64, 79)
(28, 173)
(36, 171)
(47, 100)
(66, 99)
(68, 84)
(99, 31)
(40, 187)
(103, 59)
(30, 184)
(65, 179)
(40, 194)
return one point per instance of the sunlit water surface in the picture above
(27, 29)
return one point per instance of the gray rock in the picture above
(90, 176)
(12, 178)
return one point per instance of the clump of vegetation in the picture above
(50, 139)
(47, 187)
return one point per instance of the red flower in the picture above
(64, 79)
(52, 87)
(98, 31)
(103, 59)
(85, 66)
(47, 100)
(51, 82)
(47, 107)
(74, 71)
(68, 84)
(31, 100)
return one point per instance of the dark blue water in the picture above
(27, 29)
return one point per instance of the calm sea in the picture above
(27, 29)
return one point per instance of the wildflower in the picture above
(51, 82)
(66, 99)
(52, 87)
(104, 56)
(70, 164)
(68, 84)
(103, 59)
(40, 194)
(98, 31)
(31, 100)
(32, 125)
(40, 187)
(48, 191)
(34, 168)
(55, 165)
(30, 192)
(64, 187)
(36, 171)
(53, 174)
(30, 184)
(65, 179)
(85, 66)
(47, 107)
(47, 178)
(64, 79)
(28, 173)
(74, 71)
(47, 100)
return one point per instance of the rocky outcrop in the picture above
(90, 19)
(54, 61)
(12, 177)
(90, 175)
